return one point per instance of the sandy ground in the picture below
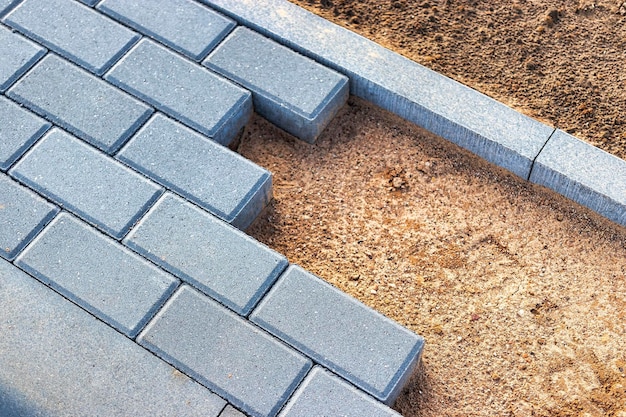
(560, 61)
(520, 293)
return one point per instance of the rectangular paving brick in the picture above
(212, 176)
(97, 273)
(324, 394)
(359, 344)
(74, 31)
(583, 173)
(22, 215)
(437, 103)
(18, 55)
(231, 411)
(183, 25)
(85, 181)
(294, 92)
(88, 107)
(235, 359)
(58, 360)
(202, 250)
(19, 129)
(184, 90)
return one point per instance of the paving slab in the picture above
(202, 250)
(6, 5)
(183, 90)
(74, 31)
(210, 175)
(439, 104)
(86, 182)
(17, 55)
(58, 360)
(294, 92)
(324, 394)
(231, 411)
(184, 25)
(19, 129)
(86, 106)
(22, 215)
(583, 173)
(97, 273)
(340, 333)
(235, 359)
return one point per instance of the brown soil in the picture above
(520, 293)
(560, 61)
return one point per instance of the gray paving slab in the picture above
(359, 344)
(86, 182)
(19, 129)
(202, 250)
(324, 394)
(231, 411)
(184, 90)
(22, 215)
(292, 91)
(235, 359)
(184, 25)
(58, 360)
(97, 273)
(464, 116)
(74, 31)
(86, 106)
(583, 173)
(212, 176)
(17, 55)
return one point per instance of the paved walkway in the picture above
(127, 286)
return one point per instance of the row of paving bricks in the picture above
(127, 287)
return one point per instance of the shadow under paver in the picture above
(183, 90)
(81, 103)
(74, 31)
(97, 273)
(337, 331)
(86, 182)
(57, 359)
(583, 173)
(19, 129)
(202, 250)
(22, 215)
(183, 25)
(324, 394)
(208, 174)
(221, 350)
(294, 92)
(17, 55)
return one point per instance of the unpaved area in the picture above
(520, 293)
(561, 61)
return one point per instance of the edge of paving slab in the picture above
(528, 148)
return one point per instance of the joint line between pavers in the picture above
(40, 134)
(10, 8)
(532, 165)
(32, 65)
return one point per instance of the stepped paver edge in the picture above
(437, 103)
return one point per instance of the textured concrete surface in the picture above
(324, 394)
(19, 129)
(58, 360)
(337, 331)
(212, 176)
(80, 103)
(585, 174)
(18, 55)
(237, 360)
(230, 411)
(293, 92)
(183, 25)
(184, 90)
(74, 31)
(97, 273)
(22, 215)
(86, 182)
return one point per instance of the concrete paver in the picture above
(18, 55)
